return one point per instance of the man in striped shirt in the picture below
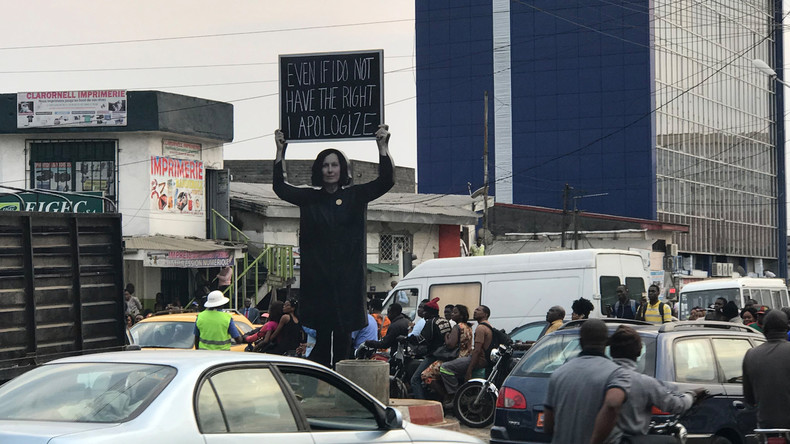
(656, 311)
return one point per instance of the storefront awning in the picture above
(181, 252)
(383, 268)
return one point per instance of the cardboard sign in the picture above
(331, 96)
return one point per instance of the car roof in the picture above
(677, 327)
(182, 359)
(189, 317)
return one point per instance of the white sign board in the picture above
(71, 108)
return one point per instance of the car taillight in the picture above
(656, 411)
(511, 399)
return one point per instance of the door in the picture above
(695, 366)
(729, 355)
(247, 403)
(335, 412)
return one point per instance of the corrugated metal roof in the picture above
(161, 242)
(459, 207)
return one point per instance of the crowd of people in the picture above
(658, 312)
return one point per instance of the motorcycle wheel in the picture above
(475, 416)
(398, 389)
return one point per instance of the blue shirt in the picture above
(418, 326)
(371, 332)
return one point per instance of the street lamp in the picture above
(767, 70)
(781, 166)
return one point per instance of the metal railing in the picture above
(276, 259)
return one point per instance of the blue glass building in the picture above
(658, 104)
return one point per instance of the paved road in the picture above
(482, 433)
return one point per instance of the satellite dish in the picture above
(739, 269)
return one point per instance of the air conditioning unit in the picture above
(721, 269)
(672, 249)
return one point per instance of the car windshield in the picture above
(85, 392)
(554, 350)
(164, 334)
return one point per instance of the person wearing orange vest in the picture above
(214, 329)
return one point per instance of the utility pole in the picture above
(576, 217)
(485, 169)
(565, 194)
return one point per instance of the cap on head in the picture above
(433, 303)
(775, 321)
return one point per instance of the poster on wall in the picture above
(177, 186)
(55, 176)
(335, 95)
(95, 175)
(181, 150)
(71, 108)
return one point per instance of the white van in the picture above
(766, 291)
(520, 288)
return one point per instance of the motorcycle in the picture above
(474, 403)
(402, 362)
(667, 431)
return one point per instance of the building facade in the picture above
(154, 157)
(651, 110)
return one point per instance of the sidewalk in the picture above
(431, 414)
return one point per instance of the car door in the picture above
(729, 355)
(247, 403)
(336, 412)
(695, 366)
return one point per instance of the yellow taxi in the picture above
(170, 331)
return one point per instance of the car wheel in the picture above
(720, 440)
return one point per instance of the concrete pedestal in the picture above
(373, 376)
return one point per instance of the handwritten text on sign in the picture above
(332, 95)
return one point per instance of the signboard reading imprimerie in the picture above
(338, 95)
(71, 108)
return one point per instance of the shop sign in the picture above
(71, 108)
(177, 186)
(47, 203)
(181, 150)
(188, 259)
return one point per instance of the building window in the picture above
(390, 246)
(74, 166)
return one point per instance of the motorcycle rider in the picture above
(465, 366)
(399, 326)
(625, 346)
(432, 335)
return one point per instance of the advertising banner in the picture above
(188, 259)
(181, 150)
(337, 95)
(71, 108)
(177, 186)
(69, 203)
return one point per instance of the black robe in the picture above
(333, 248)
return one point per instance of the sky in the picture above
(219, 50)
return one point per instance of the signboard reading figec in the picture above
(337, 95)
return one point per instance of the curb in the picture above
(424, 412)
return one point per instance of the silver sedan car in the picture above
(207, 397)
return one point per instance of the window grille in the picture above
(390, 246)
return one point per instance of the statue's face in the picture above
(331, 169)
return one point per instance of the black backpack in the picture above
(498, 337)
